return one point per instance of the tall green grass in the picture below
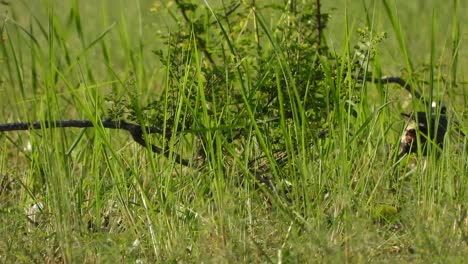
(105, 198)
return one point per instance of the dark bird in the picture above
(430, 128)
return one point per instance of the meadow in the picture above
(272, 145)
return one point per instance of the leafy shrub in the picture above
(223, 61)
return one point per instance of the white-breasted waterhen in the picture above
(429, 128)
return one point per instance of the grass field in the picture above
(94, 195)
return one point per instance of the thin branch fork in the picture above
(137, 131)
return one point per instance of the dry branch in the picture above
(137, 131)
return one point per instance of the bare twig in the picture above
(398, 80)
(137, 131)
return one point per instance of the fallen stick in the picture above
(137, 131)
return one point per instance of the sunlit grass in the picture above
(106, 198)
